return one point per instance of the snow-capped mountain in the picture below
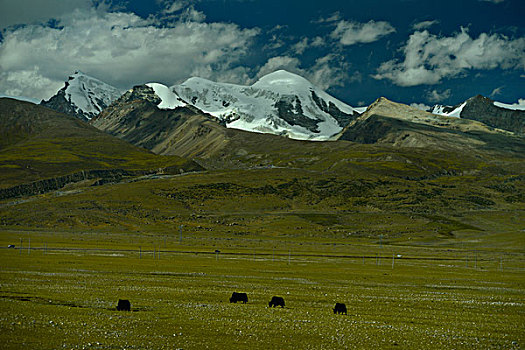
(83, 96)
(279, 103)
(509, 117)
(448, 111)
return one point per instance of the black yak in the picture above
(123, 305)
(276, 301)
(340, 308)
(239, 297)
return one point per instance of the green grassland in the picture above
(66, 298)
(314, 238)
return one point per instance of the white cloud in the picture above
(420, 106)
(424, 24)
(350, 33)
(429, 58)
(290, 64)
(438, 96)
(121, 49)
(36, 11)
(336, 16)
(300, 46)
(497, 91)
(174, 6)
(318, 42)
(330, 71)
(29, 83)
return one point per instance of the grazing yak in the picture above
(276, 301)
(123, 305)
(340, 308)
(239, 297)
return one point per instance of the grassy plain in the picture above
(457, 280)
(430, 298)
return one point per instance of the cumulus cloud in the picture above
(330, 71)
(305, 43)
(121, 49)
(497, 91)
(290, 64)
(424, 24)
(429, 58)
(37, 11)
(350, 33)
(300, 46)
(437, 96)
(29, 82)
(420, 106)
(336, 16)
(174, 6)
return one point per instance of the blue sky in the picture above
(409, 51)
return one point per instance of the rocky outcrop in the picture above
(183, 131)
(342, 118)
(483, 109)
(290, 110)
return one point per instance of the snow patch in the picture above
(440, 110)
(520, 106)
(360, 110)
(88, 94)
(170, 100)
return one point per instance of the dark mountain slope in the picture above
(38, 143)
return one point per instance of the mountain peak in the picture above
(282, 76)
(82, 96)
(281, 103)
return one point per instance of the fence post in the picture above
(393, 259)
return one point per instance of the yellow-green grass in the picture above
(284, 203)
(66, 298)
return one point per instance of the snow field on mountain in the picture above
(520, 106)
(253, 108)
(439, 110)
(88, 94)
(170, 100)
